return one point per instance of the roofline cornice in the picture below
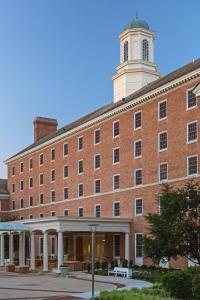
(132, 103)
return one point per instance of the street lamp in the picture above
(93, 228)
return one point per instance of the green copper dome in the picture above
(137, 23)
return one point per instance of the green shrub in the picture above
(196, 286)
(178, 284)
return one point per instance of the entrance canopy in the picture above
(12, 226)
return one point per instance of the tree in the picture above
(175, 231)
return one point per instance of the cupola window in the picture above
(126, 51)
(145, 50)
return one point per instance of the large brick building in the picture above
(108, 166)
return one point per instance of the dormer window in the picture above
(145, 50)
(126, 51)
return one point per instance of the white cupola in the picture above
(137, 67)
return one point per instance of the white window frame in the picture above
(30, 163)
(41, 154)
(160, 102)
(189, 108)
(41, 242)
(138, 259)
(30, 187)
(95, 186)
(12, 171)
(98, 129)
(53, 211)
(115, 202)
(163, 180)
(135, 113)
(114, 182)
(21, 203)
(64, 193)
(78, 167)
(78, 144)
(78, 211)
(64, 210)
(40, 199)
(21, 190)
(116, 234)
(29, 201)
(116, 121)
(159, 133)
(97, 154)
(41, 215)
(52, 238)
(95, 210)
(80, 183)
(54, 175)
(116, 163)
(51, 196)
(189, 123)
(192, 175)
(137, 157)
(21, 163)
(136, 185)
(64, 172)
(52, 160)
(138, 198)
(41, 184)
(64, 155)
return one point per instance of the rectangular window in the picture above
(97, 211)
(138, 206)
(80, 211)
(163, 141)
(162, 110)
(137, 120)
(80, 143)
(53, 240)
(21, 203)
(21, 185)
(97, 136)
(97, 161)
(13, 205)
(13, 187)
(192, 132)
(53, 196)
(30, 201)
(116, 209)
(31, 217)
(116, 182)
(13, 171)
(116, 129)
(21, 218)
(41, 216)
(53, 213)
(21, 167)
(116, 245)
(80, 190)
(41, 246)
(116, 156)
(30, 182)
(53, 154)
(41, 198)
(97, 186)
(30, 164)
(191, 99)
(65, 192)
(80, 166)
(41, 160)
(138, 245)
(192, 165)
(41, 179)
(138, 149)
(53, 175)
(138, 177)
(65, 149)
(163, 171)
(66, 212)
(65, 171)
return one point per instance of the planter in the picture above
(64, 271)
(10, 268)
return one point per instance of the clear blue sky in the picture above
(57, 57)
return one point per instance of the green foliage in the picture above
(196, 286)
(97, 265)
(125, 263)
(9, 219)
(104, 265)
(178, 284)
(176, 230)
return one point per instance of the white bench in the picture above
(121, 271)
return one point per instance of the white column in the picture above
(45, 252)
(22, 248)
(32, 251)
(11, 247)
(127, 249)
(2, 250)
(60, 249)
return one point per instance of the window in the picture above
(80, 211)
(116, 209)
(13, 205)
(116, 129)
(191, 99)
(53, 240)
(53, 196)
(41, 179)
(80, 143)
(66, 212)
(53, 175)
(41, 160)
(137, 120)
(162, 110)
(126, 51)
(138, 177)
(138, 245)
(97, 186)
(163, 141)
(21, 167)
(97, 136)
(30, 182)
(116, 156)
(13, 187)
(30, 201)
(53, 213)
(13, 171)
(116, 245)
(66, 194)
(31, 217)
(21, 218)
(116, 182)
(97, 211)
(41, 215)
(30, 163)
(41, 246)
(163, 171)
(80, 166)
(138, 149)
(21, 185)
(41, 198)
(65, 149)
(138, 206)
(97, 161)
(65, 171)
(21, 203)
(145, 50)
(192, 132)
(80, 190)
(192, 165)
(53, 154)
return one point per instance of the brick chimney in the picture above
(43, 126)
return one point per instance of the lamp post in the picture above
(93, 230)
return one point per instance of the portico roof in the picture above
(12, 226)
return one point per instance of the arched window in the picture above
(145, 50)
(126, 51)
